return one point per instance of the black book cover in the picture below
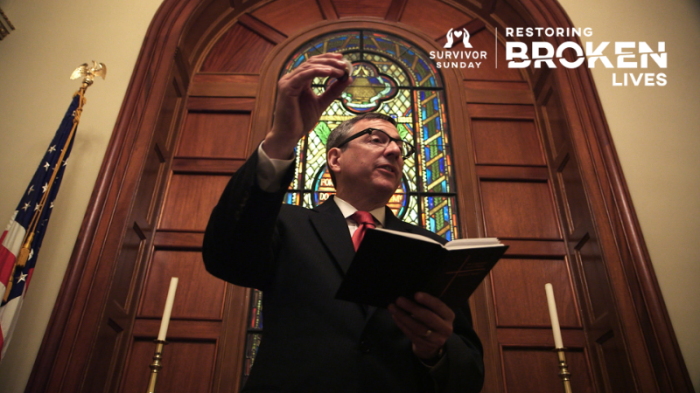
(388, 265)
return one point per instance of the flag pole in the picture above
(88, 74)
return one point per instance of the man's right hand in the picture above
(298, 108)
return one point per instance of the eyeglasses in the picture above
(381, 139)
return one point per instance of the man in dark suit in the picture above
(297, 257)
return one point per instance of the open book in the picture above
(390, 264)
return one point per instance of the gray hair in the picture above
(342, 131)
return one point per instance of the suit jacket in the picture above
(311, 341)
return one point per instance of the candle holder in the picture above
(156, 365)
(564, 373)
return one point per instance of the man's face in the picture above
(365, 166)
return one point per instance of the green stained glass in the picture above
(439, 217)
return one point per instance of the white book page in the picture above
(409, 235)
(460, 244)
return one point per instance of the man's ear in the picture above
(333, 159)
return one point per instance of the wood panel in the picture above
(224, 85)
(521, 210)
(506, 142)
(239, 50)
(199, 294)
(520, 300)
(220, 134)
(190, 200)
(187, 367)
(277, 14)
(348, 8)
(433, 17)
(528, 370)
(594, 275)
(574, 195)
(555, 120)
(615, 364)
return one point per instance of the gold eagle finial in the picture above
(89, 74)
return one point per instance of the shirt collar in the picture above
(348, 210)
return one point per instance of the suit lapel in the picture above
(332, 229)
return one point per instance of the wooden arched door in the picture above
(527, 168)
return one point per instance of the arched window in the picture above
(393, 77)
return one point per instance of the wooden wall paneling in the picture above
(262, 29)
(277, 14)
(365, 8)
(239, 50)
(200, 296)
(395, 10)
(214, 134)
(224, 85)
(495, 95)
(528, 369)
(186, 192)
(513, 87)
(328, 9)
(433, 17)
(187, 366)
(522, 210)
(518, 287)
(590, 268)
(507, 142)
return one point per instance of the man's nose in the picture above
(393, 149)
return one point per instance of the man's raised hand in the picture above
(298, 108)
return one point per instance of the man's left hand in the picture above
(427, 322)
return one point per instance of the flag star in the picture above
(31, 254)
(44, 187)
(52, 149)
(37, 207)
(65, 162)
(26, 206)
(47, 166)
(31, 188)
(22, 277)
(51, 205)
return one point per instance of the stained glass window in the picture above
(393, 77)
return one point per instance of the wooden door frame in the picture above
(76, 314)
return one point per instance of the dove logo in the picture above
(454, 35)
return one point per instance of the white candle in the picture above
(168, 309)
(558, 343)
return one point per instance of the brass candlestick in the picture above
(564, 373)
(156, 366)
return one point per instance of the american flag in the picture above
(35, 202)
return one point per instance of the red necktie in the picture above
(364, 221)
